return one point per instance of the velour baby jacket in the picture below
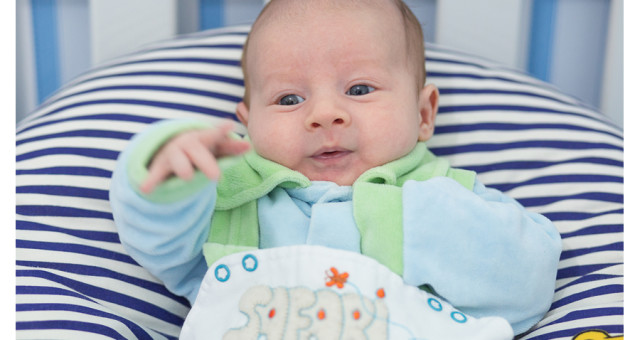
(430, 223)
(377, 202)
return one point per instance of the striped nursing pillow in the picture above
(74, 280)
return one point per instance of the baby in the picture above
(337, 110)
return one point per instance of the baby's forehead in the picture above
(285, 10)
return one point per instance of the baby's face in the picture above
(332, 95)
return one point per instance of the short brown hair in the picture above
(413, 37)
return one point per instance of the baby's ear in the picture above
(428, 105)
(242, 112)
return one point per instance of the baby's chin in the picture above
(339, 179)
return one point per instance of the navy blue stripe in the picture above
(149, 103)
(80, 133)
(101, 116)
(237, 46)
(102, 272)
(588, 278)
(578, 271)
(590, 196)
(31, 307)
(227, 62)
(588, 313)
(442, 129)
(569, 333)
(61, 190)
(444, 91)
(67, 170)
(45, 37)
(50, 210)
(76, 249)
(107, 295)
(578, 216)
(94, 235)
(212, 77)
(567, 254)
(208, 94)
(429, 59)
(541, 38)
(594, 230)
(569, 178)
(603, 290)
(40, 290)
(551, 144)
(86, 152)
(434, 74)
(87, 327)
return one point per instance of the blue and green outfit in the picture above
(430, 223)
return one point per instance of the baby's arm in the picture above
(163, 229)
(480, 250)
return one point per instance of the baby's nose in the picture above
(328, 116)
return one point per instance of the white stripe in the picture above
(576, 205)
(106, 144)
(74, 125)
(582, 287)
(517, 117)
(564, 189)
(187, 83)
(45, 315)
(538, 134)
(66, 160)
(89, 182)
(572, 226)
(58, 333)
(601, 257)
(592, 241)
(132, 109)
(91, 204)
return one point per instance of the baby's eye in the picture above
(360, 90)
(290, 99)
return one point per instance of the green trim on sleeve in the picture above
(173, 189)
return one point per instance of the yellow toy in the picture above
(596, 335)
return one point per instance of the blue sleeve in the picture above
(165, 237)
(480, 250)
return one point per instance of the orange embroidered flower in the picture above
(336, 278)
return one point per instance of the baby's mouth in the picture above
(330, 153)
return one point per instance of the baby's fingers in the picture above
(231, 147)
(204, 160)
(168, 162)
(156, 175)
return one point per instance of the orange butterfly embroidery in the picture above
(336, 278)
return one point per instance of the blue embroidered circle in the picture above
(249, 267)
(458, 317)
(434, 304)
(227, 273)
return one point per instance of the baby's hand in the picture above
(193, 149)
